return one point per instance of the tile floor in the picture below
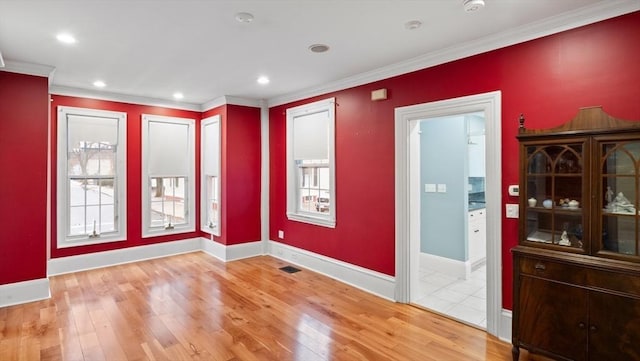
(464, 300)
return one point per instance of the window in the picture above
(210, 171)
(310, 163)
(91, 188)
(168, 175)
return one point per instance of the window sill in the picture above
(211, 231)
(148, 233)
(67, 243)
(318, 221)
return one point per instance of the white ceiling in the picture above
(147, 50)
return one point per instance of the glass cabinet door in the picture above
(554, 187)
(618, 197)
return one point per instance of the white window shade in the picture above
(168, 149)
(87, 129)
(311, 136)
(211, 149)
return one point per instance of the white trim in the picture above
(448, 266)
(134, 99)
(62, 191)
(264, 174)
(84, 262)
(226, 99)
(599, 11)
(28, 68)
(232, 252)
(506, 321)
(23, 292)
(190, 200)
(370, 281)
(204, 208)
(406, 125)
(122, 98)
(325, 220)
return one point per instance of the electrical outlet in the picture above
(281, 234)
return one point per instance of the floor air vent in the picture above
(290, 269)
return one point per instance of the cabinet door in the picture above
(614, 327)
(554, 189)
(617, 203)
(553, 318)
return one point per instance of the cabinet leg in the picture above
(515, 353)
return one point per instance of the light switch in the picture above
(430, 188)
(281, 234)
(512, 210)
(442, 188)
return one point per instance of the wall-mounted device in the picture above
(514, 190)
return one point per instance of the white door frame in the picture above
(407, 190)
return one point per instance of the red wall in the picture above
(547, 79)
(23, 185)
(240, 173)
(134, 164)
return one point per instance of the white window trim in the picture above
(62, 189)
(204, 224)
(146, 179)
(328, 220)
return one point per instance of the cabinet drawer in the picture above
(614, 281)
(552, 271)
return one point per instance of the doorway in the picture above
(410, 188)
(452, 242)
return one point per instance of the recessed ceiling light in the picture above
(472, 5)
(319, 48)
(244, 17)
(263, 80)
(66, 38)
(413, 24)
(99, 84)
(178, 95)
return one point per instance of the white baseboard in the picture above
(62, 265)
(445, 265)
(23, 292)
(371, 281)
(232, 252)
(506, 320)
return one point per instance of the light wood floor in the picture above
(194, 307)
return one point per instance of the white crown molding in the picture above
(28, 68)
(583, 16)
(227, 99)
(590, 14)
(123, 98)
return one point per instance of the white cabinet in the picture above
(477, 237)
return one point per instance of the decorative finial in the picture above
(521, 121)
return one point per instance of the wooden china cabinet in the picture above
(576, 268)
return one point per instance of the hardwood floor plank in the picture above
(194, 307)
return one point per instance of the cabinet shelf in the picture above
(563, 210)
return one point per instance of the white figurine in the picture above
(621, 204)
(608, 195)
(564, 239)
